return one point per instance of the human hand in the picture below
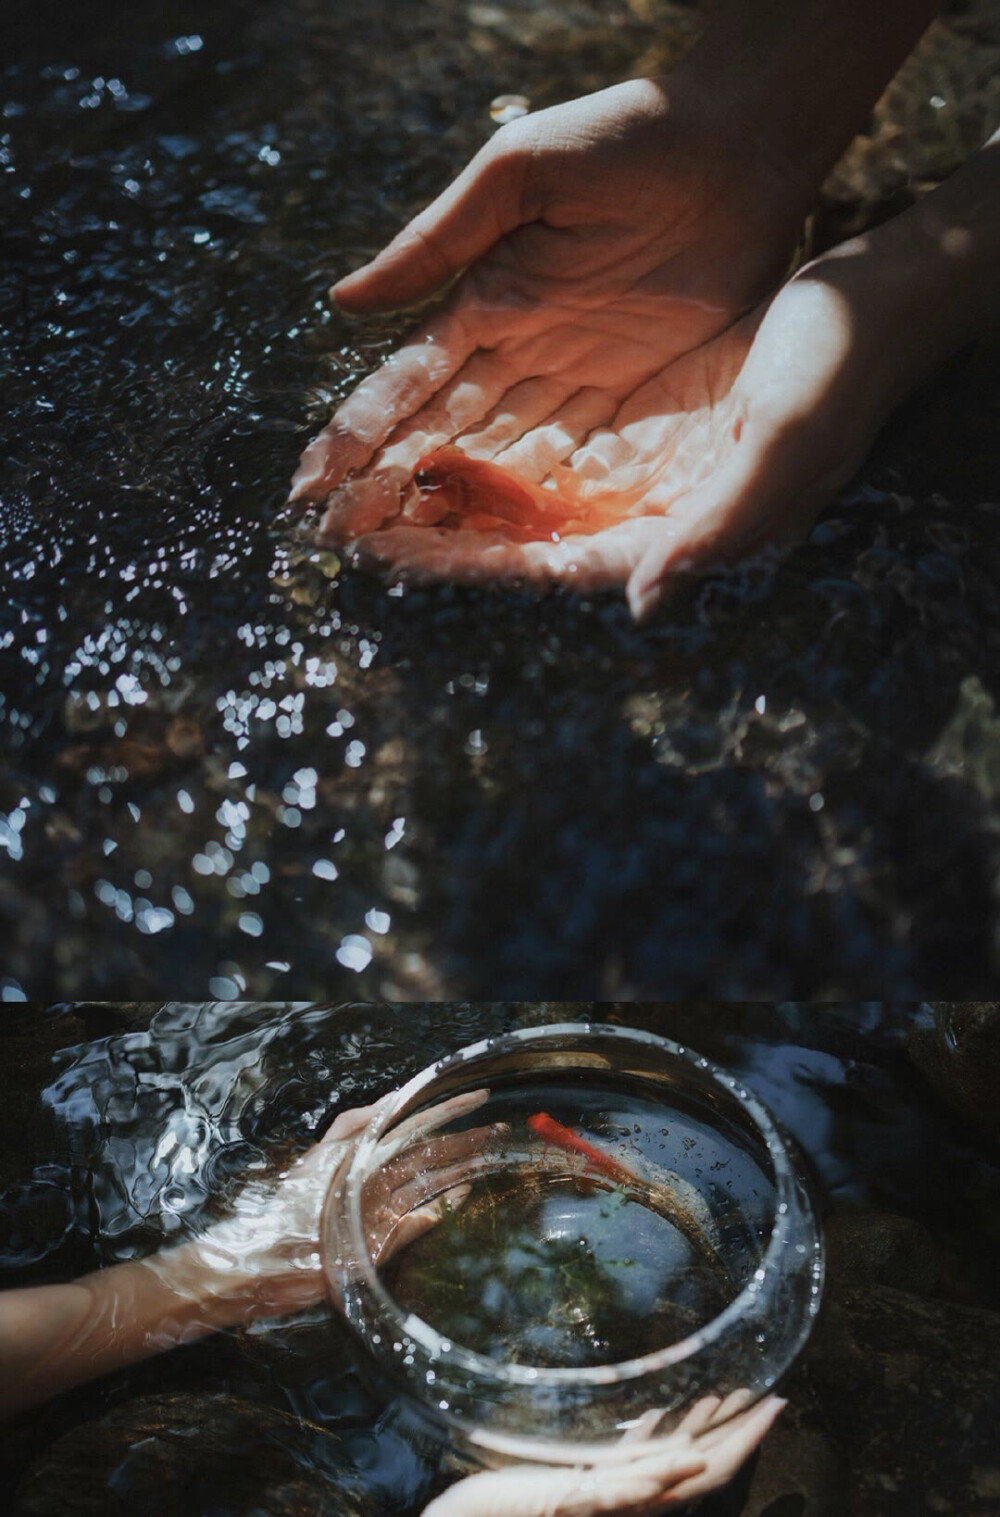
(603, 238)
(261, 1261)
(727, 449)
(269, 1247)
(701, 1454)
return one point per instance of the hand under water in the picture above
(271, 1239)
(263, 1260)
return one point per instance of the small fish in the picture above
(450, 483)
(551, 1131)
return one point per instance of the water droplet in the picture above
(355, 952)
(506, 108)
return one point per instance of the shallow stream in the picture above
(232, 769)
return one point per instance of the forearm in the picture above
(926, 283)
(798, 78)
(948, 251)
(54, 1337)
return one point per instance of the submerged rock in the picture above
(959, 1053)
(908, 1389)
(181, 1456)
(881, 1248)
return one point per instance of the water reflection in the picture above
(530, 796)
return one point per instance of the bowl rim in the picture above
(791, 1202)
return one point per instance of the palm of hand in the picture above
(736, 443)
(554, 329)
(632, 450)
(598, 300)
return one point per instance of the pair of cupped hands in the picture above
(613, 330)
(272, 1236)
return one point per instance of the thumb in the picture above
(458, 227)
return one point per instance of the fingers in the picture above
(411, 1149)
(463, 402)
(422, 1123)
(738, 1435)
(631, 1489)
(669, 1475)
(352, 1121)
(359, 506)
(648, 1483)
(419, 1221)
(518, 414)
(347, 1123)
(453, 1164)
(458, 227)
(363, 505)
(405, 382)
(784, 460)
(727, 515)
(534, 452)
(423, 1170)
(726, 1447)
(737, 1401)
(642, 1430)
(700, 1417)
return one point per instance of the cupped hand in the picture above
(701, 1454)
(272, 1237)
(602, 239)
(724, 450)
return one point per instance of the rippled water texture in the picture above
(127, 1126)
(231, 769)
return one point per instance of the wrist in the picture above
(926, 283)
(749, 158)
(798, 78)
(203, 1285)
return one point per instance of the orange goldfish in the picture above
(484, 495)
(551, 1131)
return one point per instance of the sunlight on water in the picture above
(526, 795)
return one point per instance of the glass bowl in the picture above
(551, 1233)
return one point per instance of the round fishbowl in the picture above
(553, 1234)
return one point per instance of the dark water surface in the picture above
(230, 769)
(124, 1127)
